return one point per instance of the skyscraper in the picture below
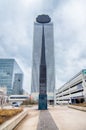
(42, 25)
(11, 76)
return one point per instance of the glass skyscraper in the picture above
(11, 76)
(42, 22)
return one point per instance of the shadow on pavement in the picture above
(46, 121)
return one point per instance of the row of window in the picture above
(79, 86)
(76, 91)
(63, 100)
(18, 97)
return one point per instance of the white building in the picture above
(3, 96)
(74, 91)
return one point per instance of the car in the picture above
(15, 104)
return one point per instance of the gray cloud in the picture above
(16, 34)
(70, 29)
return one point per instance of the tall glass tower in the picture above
(11, 76)
(43, 26)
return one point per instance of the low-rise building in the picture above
(74, 91)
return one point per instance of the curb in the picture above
(10, 124)
(77, 108)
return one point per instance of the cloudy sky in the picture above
(16, 34)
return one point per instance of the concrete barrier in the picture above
(11, 123)
(77, 107)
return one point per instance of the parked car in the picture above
(15, 104)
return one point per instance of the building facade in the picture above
(74, 91)
(18, 81)
(11, 76)
(43, 21)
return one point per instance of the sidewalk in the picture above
(30, 122)
(37, 120)
(55, 118)
(46, 121)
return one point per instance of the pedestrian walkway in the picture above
(37, 120)
(30, 122)
(55, 118)
(46, 121)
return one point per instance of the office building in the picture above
(11, 76)
(18, 81)
(43, 22)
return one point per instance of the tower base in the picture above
(42, 104)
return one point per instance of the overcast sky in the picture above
(16, 34)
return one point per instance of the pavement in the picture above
(46, 121)
(30, 121)
(55, 118)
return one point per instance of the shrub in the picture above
(29, 102)
(6, 114)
